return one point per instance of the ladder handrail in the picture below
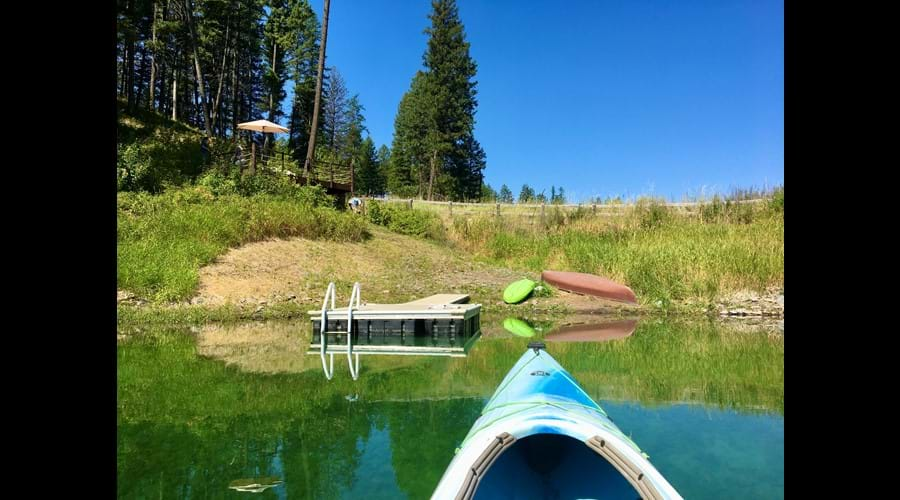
(353, 295)
(323, 337)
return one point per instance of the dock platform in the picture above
(438, 325)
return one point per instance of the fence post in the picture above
(498, 210)
(594, 208)
(252, 158)
(542, 212)
(410, 203)
(451, 209)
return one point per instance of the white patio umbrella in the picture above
(264, 126)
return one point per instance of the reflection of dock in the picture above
(439, 325)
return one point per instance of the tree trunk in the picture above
(142, 71)
(215, 116)
(193, 35)
(234, 93)
(272, 88)
(272, 91)
(315, 120)
(431, 177)
(205, 106)
(129, 64)
(175, 93)
(153, 65)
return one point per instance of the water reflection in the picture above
(519, 327)
(254, 485)
(594, 332)
(694, 395)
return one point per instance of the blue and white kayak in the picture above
(541, 436)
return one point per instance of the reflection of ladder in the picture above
(354, 296)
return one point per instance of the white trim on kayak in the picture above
(538, 397)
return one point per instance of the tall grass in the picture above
(404, 220)
(662, 255)
(163, 240)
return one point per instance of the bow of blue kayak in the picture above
(541, 436)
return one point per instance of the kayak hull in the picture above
(589, 284)
(541, 435)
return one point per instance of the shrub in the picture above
(401, 219)
(651, 213)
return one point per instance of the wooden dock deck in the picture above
(438, 325)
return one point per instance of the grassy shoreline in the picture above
(675, 265)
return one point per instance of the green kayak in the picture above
(518, 290)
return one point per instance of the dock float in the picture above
(439, 325)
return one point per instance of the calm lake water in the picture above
(199, 411)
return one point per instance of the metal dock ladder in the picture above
(329, 368)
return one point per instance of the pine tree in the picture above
(560, 197)
(526, 195)
(434, 145)
(369, 176)
(487, 193)
(505, 195)
(334, 111)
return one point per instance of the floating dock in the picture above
(438, 325)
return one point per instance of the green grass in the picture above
(163, 240)
(662, 256)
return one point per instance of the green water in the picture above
(198, 411)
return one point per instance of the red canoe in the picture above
(594, 333)
(589, 284)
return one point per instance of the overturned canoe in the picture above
(541, 436)
(589, 284)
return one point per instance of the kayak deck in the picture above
(541, 436)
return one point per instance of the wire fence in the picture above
(545, 210)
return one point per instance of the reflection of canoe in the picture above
(589, 284)
(541, 436)
(595, 332)
(254, 485)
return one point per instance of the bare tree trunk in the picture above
(234, 94)
(272, 89)
(175, 93)
(216, 114)
(129, 59)
(272, 94)
(189, 20)
(153, 65)
(431, 177)
(315, 120)
(141, 72)
(203, 102)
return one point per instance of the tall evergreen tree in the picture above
(505, 195)
(369, 175)
(334, 111)
(487, 193)
(526, 195)
(434, 144)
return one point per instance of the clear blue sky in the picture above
(601, 97)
